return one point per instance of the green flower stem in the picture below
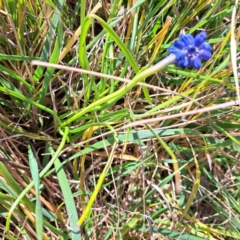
(170, 59)
(112, 98)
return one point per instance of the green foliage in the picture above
(88, 156)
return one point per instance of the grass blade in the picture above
(68, 197)
(35, 176)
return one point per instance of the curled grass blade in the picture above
(30, 101)
(13, 75)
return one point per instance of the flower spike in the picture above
(189, 50)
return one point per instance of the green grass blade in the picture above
(53, 59)
(98, 187)
(35, 176)
(30, 185)
(68, 197)
(30, 101)
(48, 41)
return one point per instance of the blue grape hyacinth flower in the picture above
(189, 50)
